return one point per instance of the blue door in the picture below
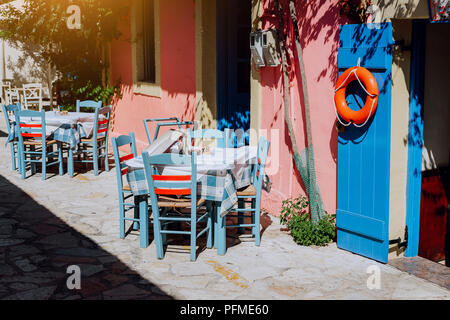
(364, 153)
(233, 64)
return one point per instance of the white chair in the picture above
(12, 96)
(6, 85)
(46, 99)
(32, 95)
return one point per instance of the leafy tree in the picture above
(77, 55)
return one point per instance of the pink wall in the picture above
(319, 33)
(319, 27)
(177, 25)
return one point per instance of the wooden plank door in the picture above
(364, 153)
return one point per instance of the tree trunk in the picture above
(311, 183)
(316, 212)
(287, 100)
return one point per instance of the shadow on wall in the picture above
(310, 28)
(313, 27)
(36, 248)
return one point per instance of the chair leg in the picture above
(106, 157)
(44, 163)
(157, 235)
(164, 227)
(95, 159)
(22, 161)
(60, 159)
(193, 235)
(13, 156)
(253, 204)
(121, 219)
(143, 214)
(17, 156)
(257, 227)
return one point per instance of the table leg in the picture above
(220, 237)
(215, 226)
(143, 215)
(70, 162)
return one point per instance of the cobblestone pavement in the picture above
(46, 226)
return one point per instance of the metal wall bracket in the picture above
(399, 242)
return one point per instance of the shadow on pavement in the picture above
(36, 248)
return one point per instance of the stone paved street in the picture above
(47, 226)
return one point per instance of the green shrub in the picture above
(71, 90)
(97, 92)
(296, 217)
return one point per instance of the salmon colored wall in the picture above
(319, 33)
(177, 34)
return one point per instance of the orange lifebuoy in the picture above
(370, 86)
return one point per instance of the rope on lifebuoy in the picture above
(365, 90)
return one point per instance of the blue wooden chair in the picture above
(121, 169)
(33, 156)
(249, 195)
(164, 122)
(95, 147)
(166, 209)
(223, 138)
(89, 104)
(8, 111)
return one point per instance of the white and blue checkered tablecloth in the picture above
(71, 134)
(68, 129)
(218, 184)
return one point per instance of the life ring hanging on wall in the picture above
(369, 84)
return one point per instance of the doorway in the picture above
(233, 64)
(436, 144)
(429, 91)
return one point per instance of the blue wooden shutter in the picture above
(364, 153)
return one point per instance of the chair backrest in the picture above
(36, 129)
(170, 184)
(165, 122)
(101, 124)
(32, 94)
(6, 85)
(12, 96)
(88, 104)
(10, 110)
(119, 161)
(223, 138)
(258, 171)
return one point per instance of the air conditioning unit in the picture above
(270, 47)
(256, 48)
